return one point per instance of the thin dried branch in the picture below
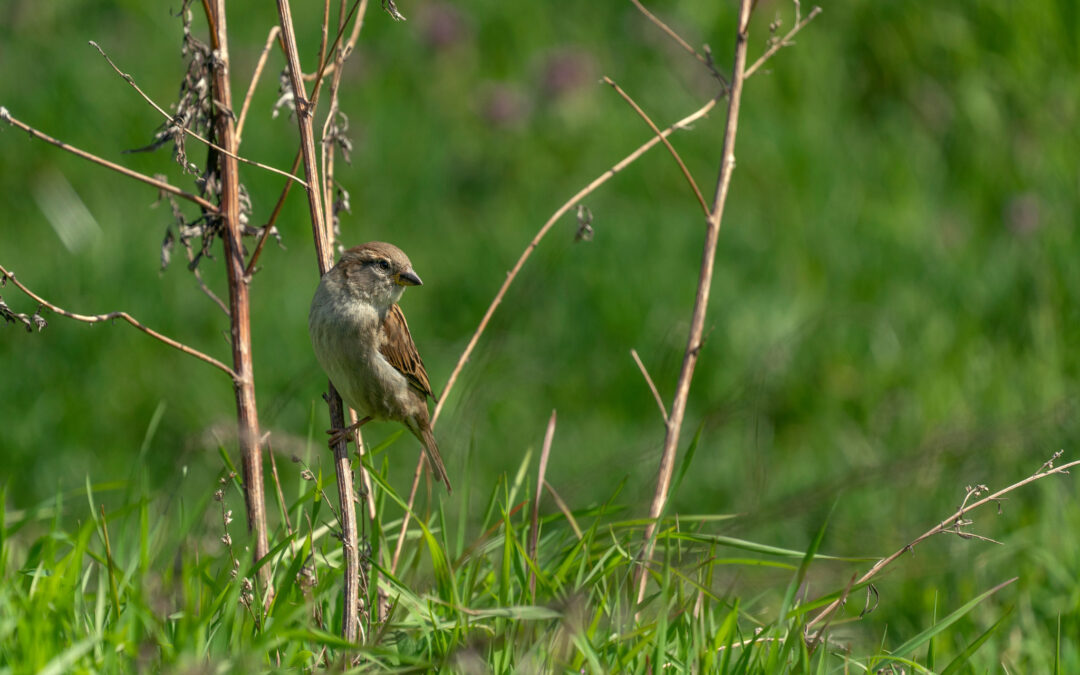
(950, 525)
(652, 385)
(534, 532)
(5, 276)
(202, 284)
(701, 301)
(784, 41)
(666, 142)
(177, 124)
(259, 65)
(365, 479)
(6, 116)
(705, 59)
(559, 213)
(269, 227)
(565, 511)
(400, 545)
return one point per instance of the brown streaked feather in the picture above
(399, 350)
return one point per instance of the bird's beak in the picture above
(408, 278)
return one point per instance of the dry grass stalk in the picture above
(950, 525)
(534, 532)
(305, 110)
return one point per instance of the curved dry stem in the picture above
(130, 80)
(275, 31)
(666, 142)
(5, 276)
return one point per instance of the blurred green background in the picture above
(894, 314)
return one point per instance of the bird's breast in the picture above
(345, 343)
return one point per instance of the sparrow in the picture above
(362, 341)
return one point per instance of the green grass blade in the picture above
(962, 658)
(923, 637)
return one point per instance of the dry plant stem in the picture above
(6, 116)
(130, 80)
(701, 301)
(239, 301)
(941, 527)
(5, 275)
(259, 65)
(365, 480)
(250, 270)
(400, 545)
(534, 532)
(342, 465)
(202, 284)
(674, 36)
(666, 142)
(559, 213)
(783, 42)
(652, 385)
(565, 511)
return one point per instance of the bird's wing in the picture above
(398, 348)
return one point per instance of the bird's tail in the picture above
(431, 448)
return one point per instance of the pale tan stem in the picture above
(701, 301)
(342, 464)
(259, 65)
(534, 531)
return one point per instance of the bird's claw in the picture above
(346, 434)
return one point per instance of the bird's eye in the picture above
(384, 265)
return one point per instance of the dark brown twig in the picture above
(268, 228)
(5, 275)
(202, 284)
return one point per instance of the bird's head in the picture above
(378, 272)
